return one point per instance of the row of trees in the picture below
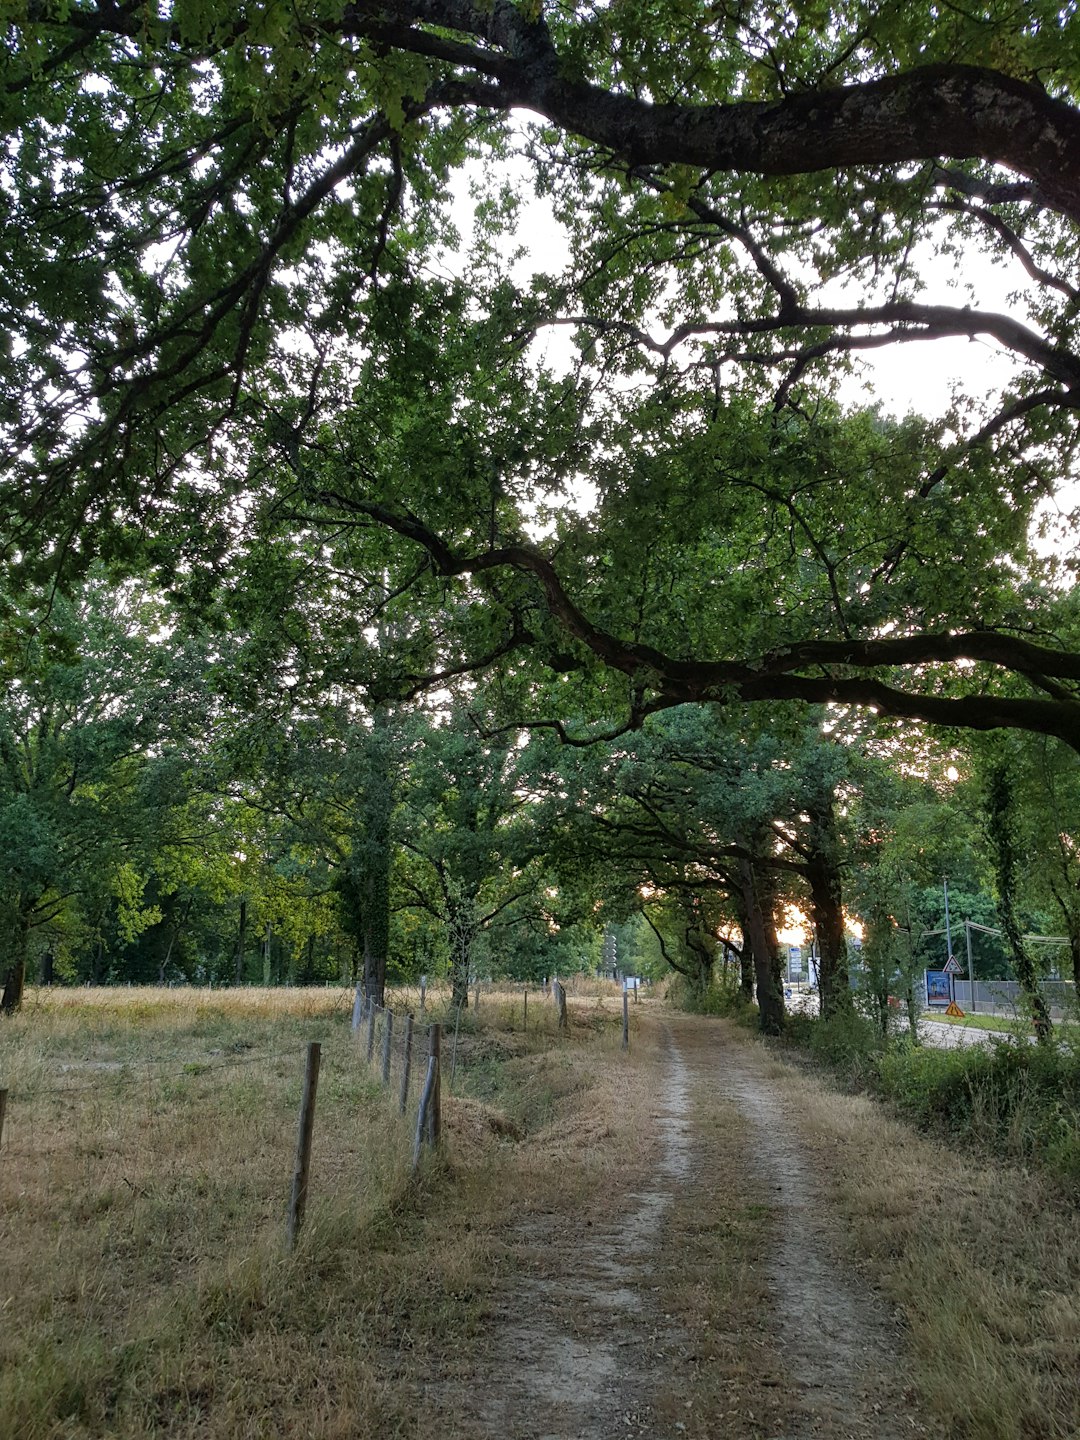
(167, 814)
(263, 379)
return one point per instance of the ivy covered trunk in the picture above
(757, 893)
(701, 959)
(374, 859)
(1000, 825)
(461, 942)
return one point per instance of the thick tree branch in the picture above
(775, 675)
(934, 112)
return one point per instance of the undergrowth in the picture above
(723, 1000)
(1015, 1099)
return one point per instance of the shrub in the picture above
(1021, 1100)
(726, 1000)
(849, 1042)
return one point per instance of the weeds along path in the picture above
(701, 1294)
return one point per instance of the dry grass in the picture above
(143, 1183)
(981, 1258)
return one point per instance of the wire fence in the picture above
(120, 1118)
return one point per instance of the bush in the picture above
(848, 1042)
(723, 1000)
(1021, 1100)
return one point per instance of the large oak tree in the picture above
(221, 227)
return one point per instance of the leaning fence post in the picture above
(425, 1104)
(298, 1198)
(435, 1113)
(388, 1035)
(404, 1098)
(357, 1008)
(625, 1021)
(371, 1016)
(560, 995)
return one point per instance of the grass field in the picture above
(144, 1180)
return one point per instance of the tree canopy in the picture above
(240, 315)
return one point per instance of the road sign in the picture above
(953, 966)
(954, 1010)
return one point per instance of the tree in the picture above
(217, 232)
(88, 696)
(1047, 794)
(472, 837)
(1001, 829)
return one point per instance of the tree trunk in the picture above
(374, 880)
(701, 960)
(163, 967)
(827, 912)
(1000, 827)
(461, 943)
(746, 954)
(241, 942)
(13, 951)
(758, 896)
(267, 956)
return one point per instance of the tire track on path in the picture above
(703, 1297)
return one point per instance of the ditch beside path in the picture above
(705, 1295)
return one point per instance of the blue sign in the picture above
(938, 988)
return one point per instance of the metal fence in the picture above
(1003, 997)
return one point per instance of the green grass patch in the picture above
(1009, 1096)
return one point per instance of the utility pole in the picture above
(948, 945)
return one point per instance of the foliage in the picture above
(1020, 1099)
(252, 350)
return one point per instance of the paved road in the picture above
(951, 1037)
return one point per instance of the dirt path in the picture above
(704, 1296)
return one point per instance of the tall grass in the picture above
(144, 1178)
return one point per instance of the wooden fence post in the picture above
(371, 1015)
(625, 1020)
(301, 1169)
(387, 1040)
(357, 1008)
(560, 995)
(425, 1105)
(435, 1113)
(423, 991)
(525, 1011)
(403, 1100)
(3, 1108)
(476, 1002)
